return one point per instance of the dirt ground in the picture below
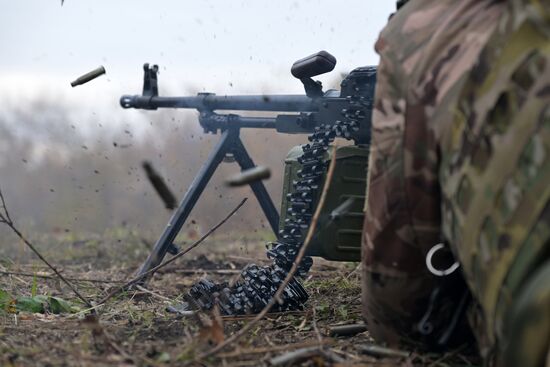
(135, 328)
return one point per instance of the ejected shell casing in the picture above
(88, 76)
(248, 176)
(166, 195)
(379, 351)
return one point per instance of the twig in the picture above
(294, 356)
(7, 218)
(143, 289)
(289, 276)
(314, 322)
(14, 276)
(276, 348)
(353, 271)
(7, 221)
(44, 276)
(332, 357)
(346, 355)
(272, 314)
(178, 255)
(200, 271)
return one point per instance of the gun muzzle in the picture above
(88, 76)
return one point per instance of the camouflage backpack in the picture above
(495, 176)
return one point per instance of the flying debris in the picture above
(248, 176)
(88, 76)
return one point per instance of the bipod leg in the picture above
(193, 193)
(244, 160)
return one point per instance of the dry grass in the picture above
(135, 328)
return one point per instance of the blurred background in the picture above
(70, 158)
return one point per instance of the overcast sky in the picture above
(222, 46)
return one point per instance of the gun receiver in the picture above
(350, 108)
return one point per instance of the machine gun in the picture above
(323, 115)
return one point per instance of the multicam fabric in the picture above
(459, 153)
(495, 175)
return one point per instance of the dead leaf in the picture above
(212, 328)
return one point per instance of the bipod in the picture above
(230, 143)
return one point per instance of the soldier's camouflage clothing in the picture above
(461, 154)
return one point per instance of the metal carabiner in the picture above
(437, 272)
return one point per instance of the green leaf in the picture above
(42, 299)
(30, 304)
(36, 304)
(58, 305)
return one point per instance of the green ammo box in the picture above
(340, 225)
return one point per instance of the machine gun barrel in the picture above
(345, 113)
(212, 102)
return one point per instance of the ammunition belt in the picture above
(258, 284)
